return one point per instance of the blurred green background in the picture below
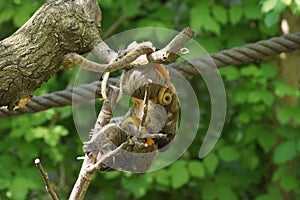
(257, 154)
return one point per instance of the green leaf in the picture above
(137, 185)
(272, 19)
(251, 11)
(285, 152)
(252, 132)
(198, 14)
(268, 5)
(286, 178)
(267, 97)
(235, 14)
(279, 173)
(23, 12)
(229, 154)
(240, 96)
(289, 182)
(220, 14)
(286, 2)
(298, 145)
(266, 139)
(162, 177)
(254, 96)
(283, 89)
(213, 191)
(285, 114)
(196, 169)
(251, 70)
(6, 14)
(269, 197)
(296, 115)
(231, 73)
(112, 175)
(269, 31)
(268, 71)
(179, 174)
(244, 117)
(211, 25)
(107, 3)
(164, 14)
(20, 187)
(211, 162)
(55, 133)
(4, 183)
(130, 8)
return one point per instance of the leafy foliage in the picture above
(256, 157)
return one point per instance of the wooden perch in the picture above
(34, 53)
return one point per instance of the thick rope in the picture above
(84, 93)
(238, 55)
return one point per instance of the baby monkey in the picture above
(149, 125)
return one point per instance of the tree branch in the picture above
(89, 165)
(46, 179)
(34, 53)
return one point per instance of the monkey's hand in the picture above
(105, 140)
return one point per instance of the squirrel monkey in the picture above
(147, 131)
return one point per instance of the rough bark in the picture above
(34, 53)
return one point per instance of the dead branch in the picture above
(46, 179)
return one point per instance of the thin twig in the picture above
(46, 179)
(115, 25)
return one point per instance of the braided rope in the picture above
(237, 55)
(84, 93)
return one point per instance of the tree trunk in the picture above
(34, 53)
(289, 70)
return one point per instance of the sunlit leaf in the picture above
(269, 5)
(286, 2)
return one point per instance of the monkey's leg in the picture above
(105, 115)
(140, 49)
